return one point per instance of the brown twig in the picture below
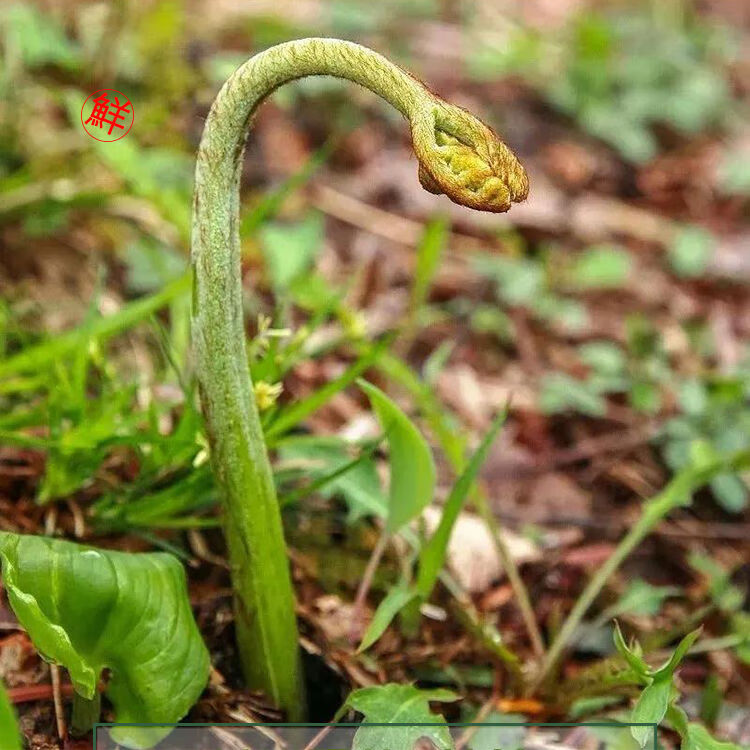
(32, 693)
(366, 583)
(62, 727)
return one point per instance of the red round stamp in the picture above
(107, 115)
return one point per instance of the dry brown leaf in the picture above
(472, 556)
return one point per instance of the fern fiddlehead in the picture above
(458, 155)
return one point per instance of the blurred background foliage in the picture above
(612, 309)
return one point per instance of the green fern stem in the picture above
(458, 155)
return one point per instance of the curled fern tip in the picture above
(464, 159)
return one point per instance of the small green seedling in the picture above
(658, 700)
(659, 692)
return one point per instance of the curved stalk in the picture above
(458, 156)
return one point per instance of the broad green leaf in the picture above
(488, 319)
(613, 737)
(441, 421)
(731, 492)
(90, 609)
(432, 555)
(151, 264)
(412, 467)
(605, 357)
(667, 670)
(396, 599)
(651, 707)
(645, 396)
(697, 99)
(678, 720)
(699, 738)
(320, 457)
(519, 281)
(693, 396)
(403, 705)
(499, 730)
(9, 737)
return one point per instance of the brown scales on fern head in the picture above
(464, 159)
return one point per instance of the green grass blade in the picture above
(297, 412)
(9, 737)
(678, 493)
(432, 556)
(42, 355)
(396, 599)
(429, 250)
(412, 467)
